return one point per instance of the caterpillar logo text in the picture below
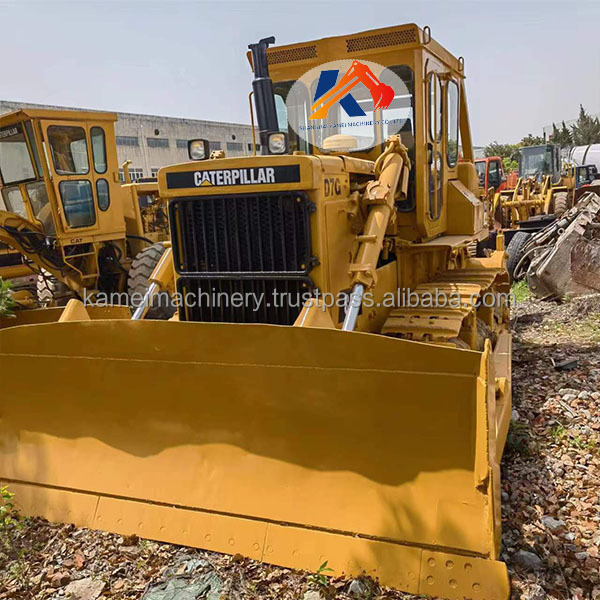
(243, 176)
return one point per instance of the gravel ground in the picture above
(551, 470)
(551, 499)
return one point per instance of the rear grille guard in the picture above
(249, 244)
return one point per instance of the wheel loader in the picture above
(67, 225)
(266, 419)
(541, 190)
(544, 191)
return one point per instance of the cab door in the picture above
(69, 157)
(435, 151)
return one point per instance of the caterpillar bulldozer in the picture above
(265, 419)
(67, 225)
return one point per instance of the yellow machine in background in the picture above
(541, 189)
(544, 191)
(290, 431)
(64, 212)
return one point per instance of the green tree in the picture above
(503, 150)
(6, 301)
(561, 137)
(510, 164)
(586, 130)
(532, 140)
(509, 153)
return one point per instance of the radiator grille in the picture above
(272, 301)
(256, 246)
(381, 40)
(253, 234)
(275, 57)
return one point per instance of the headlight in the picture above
(198, 149)
(277, 143)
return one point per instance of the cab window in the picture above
(78, 202)
(452, 129)
(42, 210)
(68, 147)
(435, 158)
(494, 174)
(103, 194)
(34, 148)
(435, 108)
(15, 161)
(480, 168)
(14, 201)
(98, 149)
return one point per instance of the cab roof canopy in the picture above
(378, 45)
(56, 115)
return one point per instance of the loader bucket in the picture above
(288, 445)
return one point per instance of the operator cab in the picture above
(337, 132)
(538, 161)
(490, 172)
(584, 175)
(56, 169)
(20, 167)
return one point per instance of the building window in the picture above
(181, 144)
(154, 171)
(250, 147)
(157, 142)
(135, 173)
(214, 145)
(235, 146)
(127, 140)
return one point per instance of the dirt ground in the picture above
(550, 492)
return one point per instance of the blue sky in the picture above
(528, 63)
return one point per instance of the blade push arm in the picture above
(392, 169)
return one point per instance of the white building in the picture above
(151, 142)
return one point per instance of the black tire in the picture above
(560, 203)
(515, 251)
(50, 290)
(137, 282)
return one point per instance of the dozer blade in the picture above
(288, 445)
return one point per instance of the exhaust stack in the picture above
(264, 98)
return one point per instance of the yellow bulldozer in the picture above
(336, 383)
(67, 225)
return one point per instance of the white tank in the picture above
(586, 155)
